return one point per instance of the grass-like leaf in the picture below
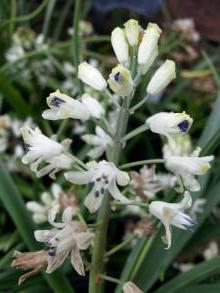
(198, 273)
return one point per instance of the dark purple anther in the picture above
(183, 126)
(117, 76)
(56, 101)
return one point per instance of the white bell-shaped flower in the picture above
(172, 214)
(93, 106)
(162, 77)
(132, 30)
(91, 76)
(148, 49)
(101, 141)
(67, 237)
(120, 81)
(169, 123)
(189, 167)
(105, 176)
(62, 106)
(39, 147)
(120, 45)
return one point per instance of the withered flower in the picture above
(144, 228)
(33, 262)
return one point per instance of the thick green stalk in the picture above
(104, 211)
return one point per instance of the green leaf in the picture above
(212, 288)
(198, 273)
(13, 97)
(15, 206)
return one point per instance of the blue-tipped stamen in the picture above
(117, 76)
(56, 101)
(183, 126)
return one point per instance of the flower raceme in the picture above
(105, 176)
(169, 124)
(62, 106)
(172, 214)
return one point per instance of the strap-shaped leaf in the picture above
(198, 273)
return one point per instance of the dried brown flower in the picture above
(33, 262)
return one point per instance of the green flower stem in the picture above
(13, 11)
(120, 246)
(141, 204)
(76, 41)
(76, 160)
(104, 126)
(138, 105)
(62, 128)
(110, 279)
(135, 132)
(47, 19)
(27, 17)
(97, 265)
(55, 49)
(140, 163)
(133, 66)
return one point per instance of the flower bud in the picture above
(132, 29)
(148, 49)
(94, 107)
(91, 76)
(120, 81)
(130, 287)
(169, 123)
(120, 45)
(162, 77)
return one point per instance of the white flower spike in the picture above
(120, 81)
(91, 76)
(62, 106)
(104, 175)
(39, 147)
(148, 49)
(189, 167)
(101, 141)
(120, 45)
(132, 30)
(170, 123)
(172, 214)
(68, 237)
(162, 77)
